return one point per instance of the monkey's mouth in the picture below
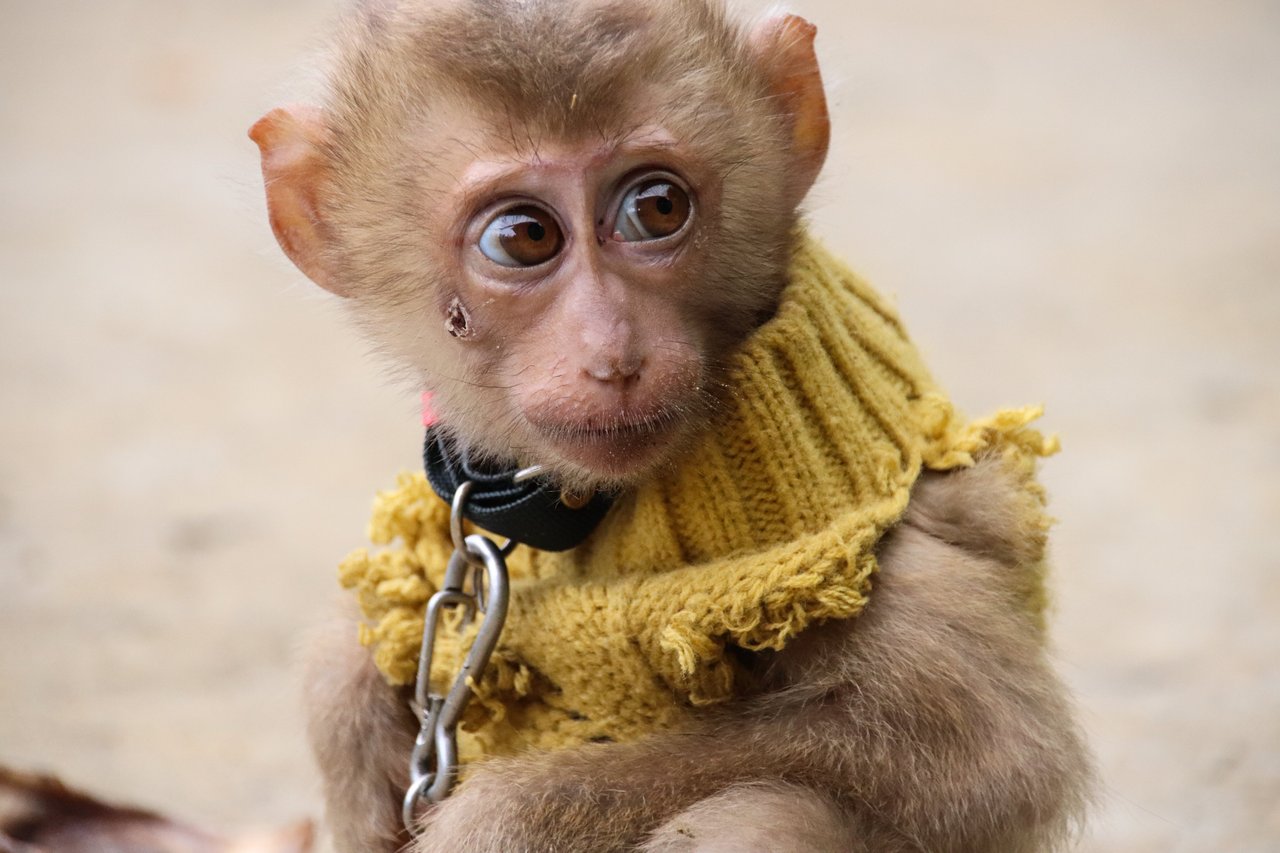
(601, 431)
(623, 431)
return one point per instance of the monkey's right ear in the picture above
(784, 48)
(294, 168)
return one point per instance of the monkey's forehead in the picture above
(566, 67)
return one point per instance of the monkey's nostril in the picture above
(615, 371)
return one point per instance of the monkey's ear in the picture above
(784, 48)
(294, 168)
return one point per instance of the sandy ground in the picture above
(1073, 202)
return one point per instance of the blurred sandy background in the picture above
(1073, 202)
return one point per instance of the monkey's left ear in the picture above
(294, 169)
(784, 48)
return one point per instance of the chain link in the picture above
(476, 580)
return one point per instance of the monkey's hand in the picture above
(930, 722)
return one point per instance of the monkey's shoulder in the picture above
(994, 510)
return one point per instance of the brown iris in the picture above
(653, 209)
(523, 236)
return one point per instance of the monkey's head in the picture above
(559, 217)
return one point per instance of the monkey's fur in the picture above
(932, 722)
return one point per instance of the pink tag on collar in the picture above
(428, 413)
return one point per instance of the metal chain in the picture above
(433, 767)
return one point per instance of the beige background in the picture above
(1075, 202)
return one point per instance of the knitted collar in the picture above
(768, 526)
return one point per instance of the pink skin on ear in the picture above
(294, 169)
(784, 46)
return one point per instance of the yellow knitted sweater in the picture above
(768, 526)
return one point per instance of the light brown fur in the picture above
(770, 816)
(933, 721)
(361, 731)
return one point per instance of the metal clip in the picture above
(433, 767)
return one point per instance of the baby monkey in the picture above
(575, 223)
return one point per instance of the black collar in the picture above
(530, 513)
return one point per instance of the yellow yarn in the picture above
(768, 526)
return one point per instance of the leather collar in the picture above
(531, 513)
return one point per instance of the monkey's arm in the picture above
(361, 733)
(930, 722)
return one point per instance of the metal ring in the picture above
(524, 475)
(455, 515)
(408, 810)
(478, 587)
(521, 477)
(458, 508)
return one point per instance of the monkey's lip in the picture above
(604, 431)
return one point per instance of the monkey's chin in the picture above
(615, 457)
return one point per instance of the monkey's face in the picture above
(575, 299)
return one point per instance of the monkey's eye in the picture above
(651, 210)
(523, 236)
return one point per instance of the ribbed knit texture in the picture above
(768, 526)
